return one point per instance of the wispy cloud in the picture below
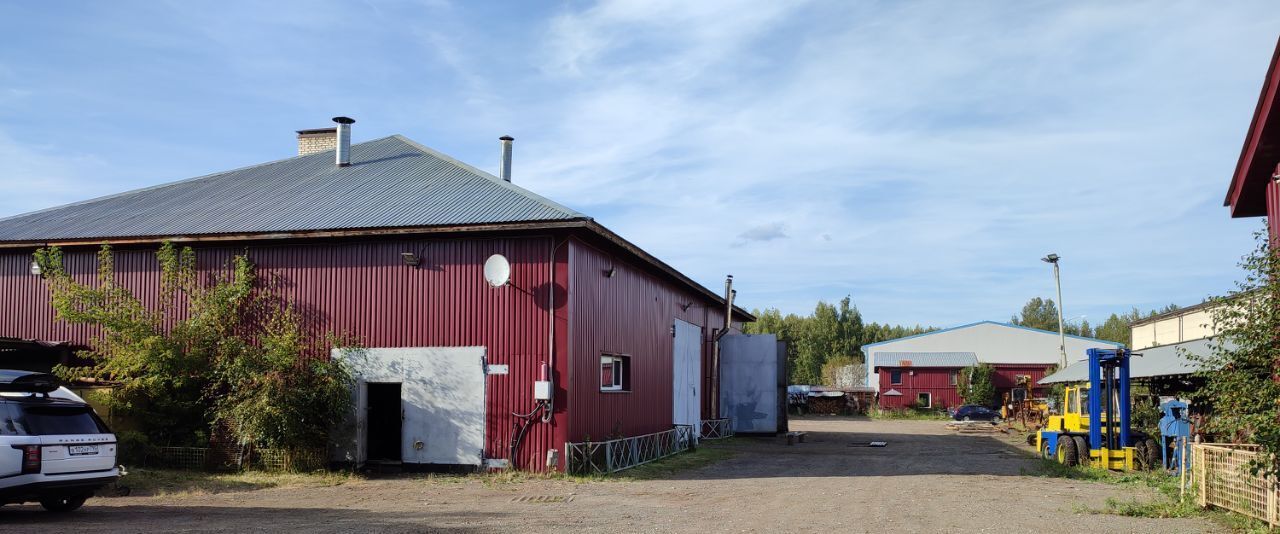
(764, 232)
(918, 156)
(932, 151)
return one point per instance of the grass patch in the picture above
(1160, 480)
(1159, 508)
(171, 482)
(673, 465)
(706, 454)
(907, 414)
(157, 482)
(1169, 504)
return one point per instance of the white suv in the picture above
(55, 451)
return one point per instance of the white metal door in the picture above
(442, 394)
(444, 414)
(686, 389)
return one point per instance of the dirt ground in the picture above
(926, 480)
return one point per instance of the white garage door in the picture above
(686, 390)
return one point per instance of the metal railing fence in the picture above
(717, 428)
(234, 458)
(604, 457)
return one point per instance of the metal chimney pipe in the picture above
(504, 169)
(343, 154)
(729, 293)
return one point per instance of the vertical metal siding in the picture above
(937, 381)
(1273, 206)
(933, 380)
(631, 313)
(365, 290)
(1005, 377)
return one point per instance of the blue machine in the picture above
(1175, 434)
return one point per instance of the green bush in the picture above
(221, 350)
(976, 385)
(1240, 371)
(132, 447)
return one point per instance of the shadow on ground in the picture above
(835, 448)
(235, 519)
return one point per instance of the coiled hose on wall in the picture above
(518, 430)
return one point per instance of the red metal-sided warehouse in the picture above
(387, 241)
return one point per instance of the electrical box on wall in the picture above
(542, 390)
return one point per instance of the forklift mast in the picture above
(1109, 382)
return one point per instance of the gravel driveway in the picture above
(926, 480)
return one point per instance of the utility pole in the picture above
(1062, 333)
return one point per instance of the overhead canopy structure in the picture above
(1168, 360)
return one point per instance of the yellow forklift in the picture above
(1093, 429)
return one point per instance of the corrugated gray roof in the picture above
(392, 182)
(1167, 360)
(925, 359)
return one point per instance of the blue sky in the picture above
(918, 156)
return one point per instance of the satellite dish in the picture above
(497, 270)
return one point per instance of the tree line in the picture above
(830, 337)
(1043, 314)
(833, 335)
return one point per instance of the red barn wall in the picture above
(363, 288)
(933, 380)
(1273, 206)
(630, 313)
(1005, 377)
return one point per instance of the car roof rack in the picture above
(13, 381)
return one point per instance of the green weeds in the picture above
(907, 414)
(169, 482)
(1170, 503)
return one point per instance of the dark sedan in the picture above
(974, 412)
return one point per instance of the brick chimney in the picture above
(317, 140)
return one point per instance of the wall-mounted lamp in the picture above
(608, 273)
(685, 306)
(410, 259)
(35, 268)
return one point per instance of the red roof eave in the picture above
(1246, 195)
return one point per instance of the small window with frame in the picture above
(895, 377)
(924, 400)
(615, 372)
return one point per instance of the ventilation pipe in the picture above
(504, 170)
(343, 153)
(729, 293)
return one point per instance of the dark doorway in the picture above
(385, 422)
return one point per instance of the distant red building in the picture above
(922, 370)
(921, 379)
(930, 381)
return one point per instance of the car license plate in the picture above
(81, 450)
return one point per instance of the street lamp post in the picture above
(1062, 334)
